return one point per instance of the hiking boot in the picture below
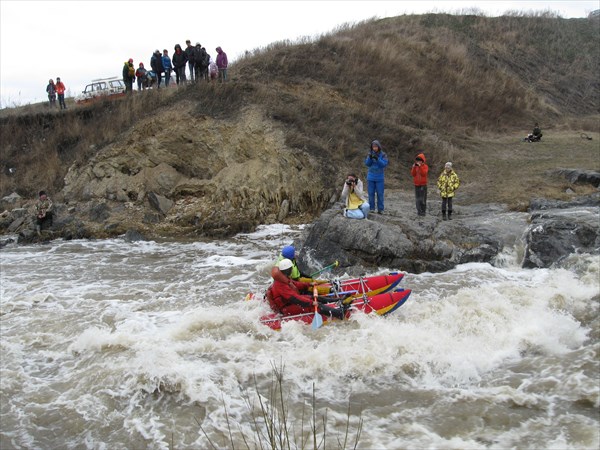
(449, 215)
(444, 217)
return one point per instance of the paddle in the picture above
(317, 319)
(330, 266)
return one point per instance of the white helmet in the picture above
(285, 264)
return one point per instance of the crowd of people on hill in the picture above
(191, 64)
(198, 62)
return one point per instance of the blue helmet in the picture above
(288, 252)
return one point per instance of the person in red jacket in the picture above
(60, 91)
(284, 295)
(419, 172)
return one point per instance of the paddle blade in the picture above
(317, 321)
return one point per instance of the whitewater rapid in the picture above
(111, 344)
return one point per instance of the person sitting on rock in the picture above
(285, 298)
(357, 206)
(43, 210)
(536, 134)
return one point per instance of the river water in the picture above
(150, 345)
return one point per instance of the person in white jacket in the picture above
(356, 204)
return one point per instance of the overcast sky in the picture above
(82, 40)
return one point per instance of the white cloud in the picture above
(82, 40)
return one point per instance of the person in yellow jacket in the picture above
(447, 184)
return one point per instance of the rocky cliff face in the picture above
(179, 171)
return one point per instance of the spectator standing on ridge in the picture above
(190, 52)
(448, 183)
(51, 90)
(213, 70)
(200, 55)
(166, 63)
(179, 59)
(376, 161)
(60, 91)
(156, 63)
(419, 172)
(354, 198)
(128, 76)
(222, 64)
(140, 74)
(205, 64)
(43, 212)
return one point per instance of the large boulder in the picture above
(401, 240)
(559, 229)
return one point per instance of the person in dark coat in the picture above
(128, 75)
(157, 66)
(51, 90)
(190, 52)
(179, 59)
(200, 56)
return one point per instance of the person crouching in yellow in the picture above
(357, 206)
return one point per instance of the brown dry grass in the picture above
(462, 88)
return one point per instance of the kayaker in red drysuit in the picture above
(284, 295)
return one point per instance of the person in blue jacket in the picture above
(376, 161)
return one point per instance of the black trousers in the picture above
(446, 201)
(421, 199)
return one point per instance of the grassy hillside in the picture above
(460, 88)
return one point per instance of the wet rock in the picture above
(160, 203)
(284, 210)
(580, 176)
(134, 236)
(401, 240)
(556, 233)
(99, 212)
(16, 224)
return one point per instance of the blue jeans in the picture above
(376, 187)
(191, 69)
(362, 212)
(222, 74)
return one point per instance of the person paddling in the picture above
(284, 295)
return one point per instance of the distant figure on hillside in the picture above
(213, 70)
(166, 63)
(128, 76)
(156, 63)
(179, 59)
(200, 56)
(419, 172)
(222, 64)
(356, 205)
(140, 75)
(376, 161)
(190, 52)
(60, 91)
(447, 184)
(51, 90)
(536, 134)
(43, 212)
(205, 64)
